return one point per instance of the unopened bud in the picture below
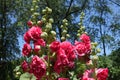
(64, 31)
(36, 14)
(32, 9)
(43, 11)
(78, 35)
(65, 21)
(44, 35)
(61, 26)
(39, 23)
(51, 20)
(49, 10)
(63, 38)
(95, 57)
(66, 24)
(49, 26)
(67, 35)
(53, 33)
(98, 50)
(43, 20)
(30, 23)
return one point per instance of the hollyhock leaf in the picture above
(27, 76)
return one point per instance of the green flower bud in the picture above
(66, 24)
(79, 24)
(78, 35)
(51, 20)
(43, 11)
(63, 38)
(64, 21)
(34, 1)
(98, 50)
(64, 31)
(79, 31)
(49, 10)
(67, 35)
(44, 35)
(32, 9)
(49, 26)
(95, 44)
(36, 14)
(61, 26)
(95, 57)
(36, 7)
(39, 23)
(53, 33)
(44, 20)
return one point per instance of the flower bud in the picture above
(65, 21)
(49, 26)
(63, 38)
(64, 31)
(43, 20)
(49, 10)
(30, 23)
(43, 11)
(67, 35)
(53, 33)
(39, 23)
(36, 14)
(98, 50)
(78, 35)
(95, 57)
(44, 35)
(51, 20)
(32, 9)
(36, 7)
(61, 26)
(66, 24)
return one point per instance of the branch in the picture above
(82, 8)
(68, 8)
(114, 2)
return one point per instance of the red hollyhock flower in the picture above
(40, 42)
(102, 73)
(63, 79)
(85, 38)
(35, 33)
(54, 46)
(27, 37)
(25, 66)
(37, 67)
(26, 49)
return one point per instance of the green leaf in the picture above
(27, 76)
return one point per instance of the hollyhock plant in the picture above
(50, 59)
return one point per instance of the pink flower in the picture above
(27, 37)
(40, 42)
(85, 38)
(63, 79)
(25, 66)
(54, 46)
(35, 33)
(26, 49)
(37, 48)
(37, 67)
(102, 73)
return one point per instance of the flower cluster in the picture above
(49, 59)
(37, 66)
